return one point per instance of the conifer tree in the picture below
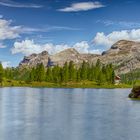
(40, 72)
(49, 74)
(56, 74)
(32, 76)
(65, 73)
(92, 73)
(78, 72)
(1, 73)
(72, 71)
(84, 71)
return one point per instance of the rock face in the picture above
(57, 59)
(34, 59)
(135, 92)
(71, 55)
(125, 55)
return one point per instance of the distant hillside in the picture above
(124, 54)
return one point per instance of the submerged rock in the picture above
(135, 92)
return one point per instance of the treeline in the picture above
(99, 73)
(131, 78)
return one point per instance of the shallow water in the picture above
(68, 114)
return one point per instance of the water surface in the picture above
(68, 114)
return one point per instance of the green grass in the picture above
(81, 84)
(135, 99)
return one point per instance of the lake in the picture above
(68, 114)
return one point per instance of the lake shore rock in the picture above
(135, 92)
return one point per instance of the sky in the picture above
(90, 26)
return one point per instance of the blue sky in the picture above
(54, 25)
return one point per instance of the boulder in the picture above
(135, 92)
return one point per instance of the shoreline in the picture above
(63, 85)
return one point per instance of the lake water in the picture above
(68, 114)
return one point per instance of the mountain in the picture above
(34, 59)
(60, 58)
(124, 55)
(71, 55)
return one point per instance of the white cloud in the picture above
(10, 3)
(82, 47)
(28, 47)
(6, 64)
(7, 31)
(111, 38)
(96, 51)
(127, 24)
(82, 6)
(47, 29)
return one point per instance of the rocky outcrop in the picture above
(135, 92)
(71, 55)
(34, 59)
(124, 55)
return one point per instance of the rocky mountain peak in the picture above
(34, 59)
(120, 47)
(123, 44)
(44, 53)
(68, 51)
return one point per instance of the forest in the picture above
(69, 72)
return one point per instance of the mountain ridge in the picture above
(124, 55)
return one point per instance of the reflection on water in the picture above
(68, 114)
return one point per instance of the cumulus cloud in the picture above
(109, 39)
(28, 47)
(7, 31)
(6, 64)
(82, 47)
(10, 3)
(82, 6)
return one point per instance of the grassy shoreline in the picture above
(81, 84)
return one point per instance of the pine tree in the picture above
(78, 72)
(99, 78)
(72, 71)
(49, 74)
(56, 74)
(32, 76)
(65, 73)
(40, 72)
(113, 77)
(98, 63)
(97, 69)
(84, 71)
(92, 73)
(1, 73)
